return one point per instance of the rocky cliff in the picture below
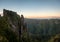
(12, 26)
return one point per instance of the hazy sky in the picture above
(32, 8)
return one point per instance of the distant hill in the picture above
(43, 29)
(46, 26)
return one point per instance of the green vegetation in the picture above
(6, 34)
(42, 30)
(36, 30)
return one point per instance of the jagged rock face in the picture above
(11, 24)
(12, 18)
(0, 16)
(16, 22)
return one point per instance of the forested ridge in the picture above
(42, 30)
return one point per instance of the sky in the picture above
(32, 8)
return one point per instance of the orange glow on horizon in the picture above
(42, 17)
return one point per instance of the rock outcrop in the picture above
(15, 24)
